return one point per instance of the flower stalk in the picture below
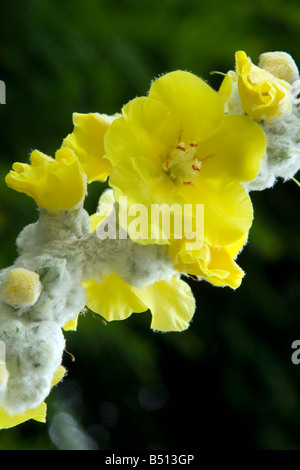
(182, 146)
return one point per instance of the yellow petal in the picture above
(144, 130)
(7, 421)
(144, 184)
(222, 270)
(58, 375)
(237, 148)
(215, 265)
(197, 107)
(234, 248)
(112, 298)
(37, 414)
(228, 211)
(225, 89)
(87, 142)
(171, 302)
(71, 325)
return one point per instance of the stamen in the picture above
(70, 354)
(166, 164)
(180, 147)
(213, 72)
(182, 162)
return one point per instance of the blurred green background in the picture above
(228, 382)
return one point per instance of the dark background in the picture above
(228, 382)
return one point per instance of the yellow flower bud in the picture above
(54, 184)
(21, 288)
(263, 95)
(280, 64)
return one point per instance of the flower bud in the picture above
(21, 288)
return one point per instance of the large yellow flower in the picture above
(263, 95)
(177, 146)
(55, 184)
(86, 141)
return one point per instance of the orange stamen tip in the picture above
(180, 147)
(172, 176)
(193, 144)
(167, 163)
(195, 168)
(187, 182)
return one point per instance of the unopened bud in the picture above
(21, 288)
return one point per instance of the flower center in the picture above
(182, 164)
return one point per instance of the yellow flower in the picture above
(171, 302)
(87, 143)
(263, 95)
(55, 184)
(37, 414)
(213, 264)
(176, 146)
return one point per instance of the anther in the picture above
(193, 144)
(172, 176)
(180, 147)
(70, 354)
(187, 182)
(195, 168)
